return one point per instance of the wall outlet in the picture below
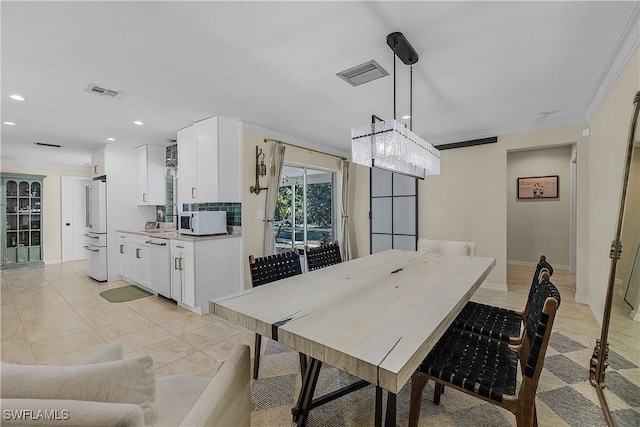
(261, 214)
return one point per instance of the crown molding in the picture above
(293, 139)
(625, 47)
(27, 161)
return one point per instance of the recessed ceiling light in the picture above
(138, 122)
(406, 117)
(17, 97)
(111, 139)
(9, 123)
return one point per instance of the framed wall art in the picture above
(539, 187)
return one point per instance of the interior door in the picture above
(73, 217)
(393, 211)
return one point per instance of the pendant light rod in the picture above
(394, 81)
(411, 97)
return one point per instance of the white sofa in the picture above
(456, 247)
(111, 391)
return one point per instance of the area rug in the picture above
(565, 396)
(125, 293)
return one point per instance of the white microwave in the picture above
(202, 223)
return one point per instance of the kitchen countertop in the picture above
(174, 235)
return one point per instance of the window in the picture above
(304, 209)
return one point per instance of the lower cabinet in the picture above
(203, 270)
(135, 263)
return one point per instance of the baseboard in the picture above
(494, 287)
(635, 315)
(582, 299)
(533, 264)
(53, 261)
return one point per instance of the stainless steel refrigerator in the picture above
(95, 236)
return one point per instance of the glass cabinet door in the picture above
(22, 220)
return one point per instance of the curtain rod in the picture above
(304, 148)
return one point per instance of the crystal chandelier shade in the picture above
(392, 146)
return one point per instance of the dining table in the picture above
(375, 317)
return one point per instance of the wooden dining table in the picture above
(375, 317)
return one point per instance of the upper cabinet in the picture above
(98, 165)
(152, 189)
(209, 161)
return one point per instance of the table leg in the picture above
(301, 410)
(390, 416)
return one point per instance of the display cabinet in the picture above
(22, 221)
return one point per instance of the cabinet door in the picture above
(145, 276)
(142, 193)
(136, 263)
(98, 165)
(188, 280)
(176, 275)
(187, 158)
(124, 256)
(207, 160)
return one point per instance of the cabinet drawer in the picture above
(182, 246)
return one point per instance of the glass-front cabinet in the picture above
(21, 221)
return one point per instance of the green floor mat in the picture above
(125, 293)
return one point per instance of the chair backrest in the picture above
(323, 256)
(538, 325)
(274, 267)
(543, 271)
(456, 247)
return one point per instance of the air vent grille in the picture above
(100, 91)
(44, 144)
(363, 73)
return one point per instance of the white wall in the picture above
(539, 226)
(51, 203)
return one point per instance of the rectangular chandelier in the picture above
(392, 146)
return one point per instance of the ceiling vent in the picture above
(100, 91)
(363, 73)
(44, 144)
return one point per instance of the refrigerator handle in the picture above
(87, 206)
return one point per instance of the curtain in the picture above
(273, 185)
(345, 244)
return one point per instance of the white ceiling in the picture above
(485, 68)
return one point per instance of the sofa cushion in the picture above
(121, 381)
(175, 397)
(69, 413)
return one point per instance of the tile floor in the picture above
(54, 315)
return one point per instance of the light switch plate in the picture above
(261, 214)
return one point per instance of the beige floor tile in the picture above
(221, 350)
(197, 364)
(165, 352)
(48, 349)
(118, 313)
(64, 325)
(208, 335)
(185, 324)
(123, 327)
(166, 314)
(142, 338)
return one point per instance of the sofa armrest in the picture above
(227, 399)
(69, 413)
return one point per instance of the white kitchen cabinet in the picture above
(183, 273)
(151, 180)
(204, 270)
(209, 162)
(134, 255)
(98, 167)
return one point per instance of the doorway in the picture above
(72, 194)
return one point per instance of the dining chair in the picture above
(488, 369)
(268, 269)
(497, 322)
(323, 256)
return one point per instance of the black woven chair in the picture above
(487, 368)
(266, 270)
(501, 323)
(323, 256)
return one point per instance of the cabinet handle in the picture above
(144, 197)
(137, 252)
(181, 266)
(193, 192)
(175, 264)
(178, 246)
(121, 249)
(95, 169)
